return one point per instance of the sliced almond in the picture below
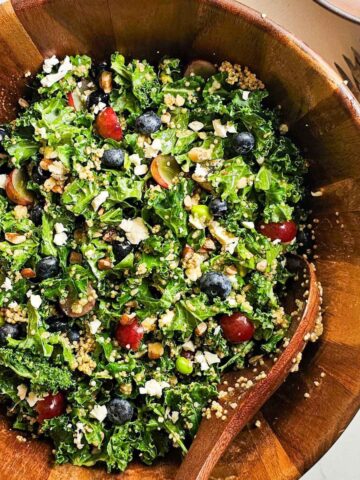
(15, 238)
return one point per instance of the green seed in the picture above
(184, 365)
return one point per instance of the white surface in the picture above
(331, 37)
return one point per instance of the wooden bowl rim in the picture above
(315, 61)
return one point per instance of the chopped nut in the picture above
(126, 388)
(45, 163)
(79, 236)
(58, 189)
(28, 273)
(75, 257)
(231, 270)
(23, 103)
(199, 154)
(155, 350)
(105, 81)
(200, 329)
(15, 238)
(187, 252)
(110, 235)
(104, 264)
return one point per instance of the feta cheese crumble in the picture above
(153, 388)
(99, 412)
(99, 200)
(135, 230)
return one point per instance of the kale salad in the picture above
(145, 214)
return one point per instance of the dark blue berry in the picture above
(148, 123)
(57, 324)
(73, 335)
(9, 330)
(244, 142)
(36, 214)
(215, 284)
(119, 411)
(218, 207)
(96, 97)
(47, 267)
(113, 158)
(121, 250)
(97, 69)
(38, 175)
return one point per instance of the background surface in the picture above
(331, 37)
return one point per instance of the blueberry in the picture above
(119, 411)
(57, 324)
(98, 68)
(9, 330)
(218, 207)
(47, 267)
(73, 335)
(215, 285)
(121, 250)
(113, 158)
(148, 123)
(38, 175)
(96, 97)
(36, 214)
(244, 142)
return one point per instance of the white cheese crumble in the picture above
(22, 391)
(153, 149)
(7, 285)
(245, 94)
(261, 266)
(94, 326)
(97, 108)
(153, 388)
(99, 200)
(211, 358)
(35, 301)
(3, 180)
(49, 63)
(135, 230)
(59, 228)
(200, 358)
(196, 126)
(60, 238)
(174, 416)
(166, 319)
(65, 67)
(189, 346)
(99, 412)
(141, 169)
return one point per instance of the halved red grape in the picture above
(107, 124)
(164, 169)
(15, 188)
(283, 231)
(237, 327)
(51, 406)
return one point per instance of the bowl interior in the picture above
(324, 120)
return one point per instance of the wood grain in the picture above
(325, 121)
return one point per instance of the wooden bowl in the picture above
(324, 119)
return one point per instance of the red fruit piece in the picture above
(130, 336)
(237, 327)
(74, 100)
(283, 231)
(15, 188)
(107, 124)
(50, 406)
